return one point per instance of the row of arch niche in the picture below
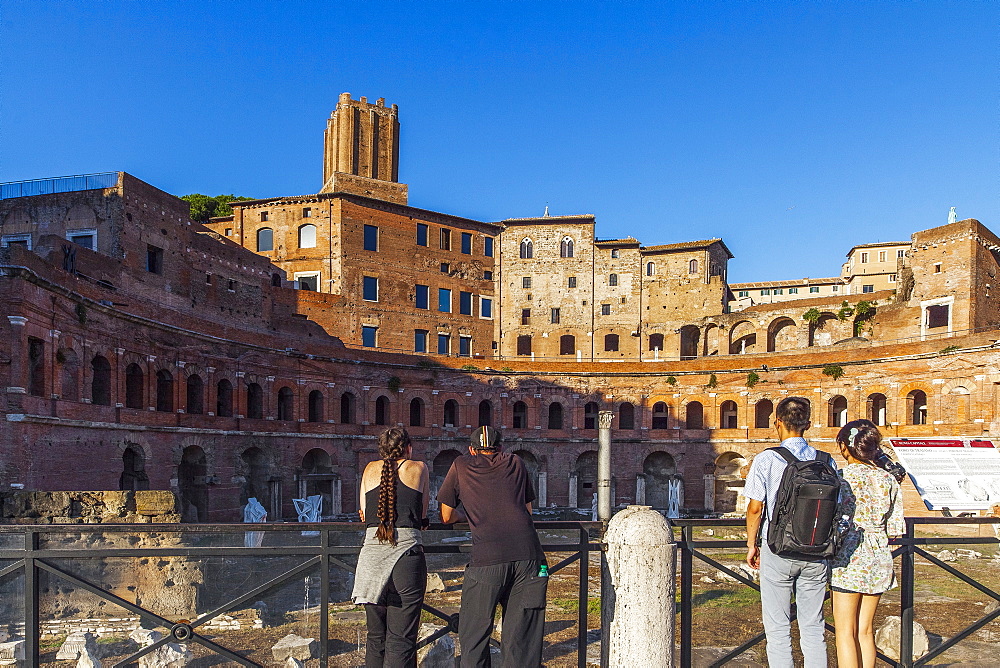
(536, 474)
(658, 486)
(318, 476)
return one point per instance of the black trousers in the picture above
(393, 623)
(519, 590)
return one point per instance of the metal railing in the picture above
(905, 550)
(55, 558)
(58, 184)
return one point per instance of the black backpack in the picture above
(804, 520)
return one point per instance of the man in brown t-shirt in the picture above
(508, 566)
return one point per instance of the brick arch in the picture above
(743, 331)
(778, 337)
(139, 440)
(305, 448)
(539, 456)
(950, 385)
(916, 385)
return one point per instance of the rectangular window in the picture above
(554, 316)
(900, 253)
(444, 300)
(445, 268)
(524, 344)
(231, 286)
(765, 292)
(743, 293)
(485, 307)
(881, 256)
(867, 288)
(263, 215)
(229, 231)
(420, 340)
(526, 316)
(368, 336)
(605, 309)
(444, 344)
(371, 238)
(465, 303)
(370, 289)
(571, 282)
(864, 258)
(614, 252)
(937, 267)
(937, 316)
(487, 275)
(526, 282)
(778, 291)
(488, 246)
(466, 243)
(793, 291)
(445, 239)
(421, 299)
(307, 212)
(421, 234)
(465, 346)
(892, 278)
(836, 288)
(85, 238)
(308, 281)
(813, 288)
(154, 259)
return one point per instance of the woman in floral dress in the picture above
(862, 568)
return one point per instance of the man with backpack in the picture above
(793, 491)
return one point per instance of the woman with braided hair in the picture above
(861, 571)
(392, 573)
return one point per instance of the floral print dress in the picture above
(872, 503)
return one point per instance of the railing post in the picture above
(687, 568)
(642, 566)
(31, 613)
(906, 599)
(324, 603)
(584, 592)
(604, 419)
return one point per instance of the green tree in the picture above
(204, 207)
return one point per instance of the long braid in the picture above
(392, 445)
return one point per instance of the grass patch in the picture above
(573, 605)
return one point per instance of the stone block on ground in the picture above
(89, 657)
(143, 637)
(76, 643)
(434, 583)
(946, 555)
(171, 655)
(438, 654)
(11, 652)
(887, 638)
(292, 662)
(294, 646)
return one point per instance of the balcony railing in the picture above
(58, 184)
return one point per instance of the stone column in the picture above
(19, 348)
(640, 604)
(710, 492)
(572, 500)
(640, 489)
(336, 498)
(543, 489)
(604, 465)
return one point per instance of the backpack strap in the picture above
(824, 457)
(786, 455)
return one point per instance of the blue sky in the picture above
(792, 130)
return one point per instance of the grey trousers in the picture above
(516, 586)
(779, 578)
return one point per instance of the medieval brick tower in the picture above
(361, 150)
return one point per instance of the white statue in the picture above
(593, 508)
(254, 513)
(674, 493)
(309, 509)
(952, 216)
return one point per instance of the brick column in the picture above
(19, 355)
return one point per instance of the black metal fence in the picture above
(906, 550)
(152, 574)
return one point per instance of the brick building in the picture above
(143, 350)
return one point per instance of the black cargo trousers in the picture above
(520, 591)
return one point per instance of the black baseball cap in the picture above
(486, 438)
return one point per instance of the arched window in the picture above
(347, 404)
(520, 413)
(610, 342)
(275, 280)
(693, 267)
(762, 414)
(916, 402)
(382, 410)
(566, 247)
(255, 402)
(728, 416)
(655, 342)
(100, 384)
(613, 280)
(316, 406)
(224, 399)
(265, 239)
(133, 477)
(626, 416)
(416, 413)
(650, 268)
(164, 391)
(555, 415)
(877, 409)
(660, 415)
(838, 411)
(451, 413)
(134, 386)
(590, 415)
(694, 416)
(567, 344)
(307, 236)
(527, 249)
(285, 404)
(195, 395)
(485, 414)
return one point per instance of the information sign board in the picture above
(952, 474)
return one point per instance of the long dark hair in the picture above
(392, 445)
